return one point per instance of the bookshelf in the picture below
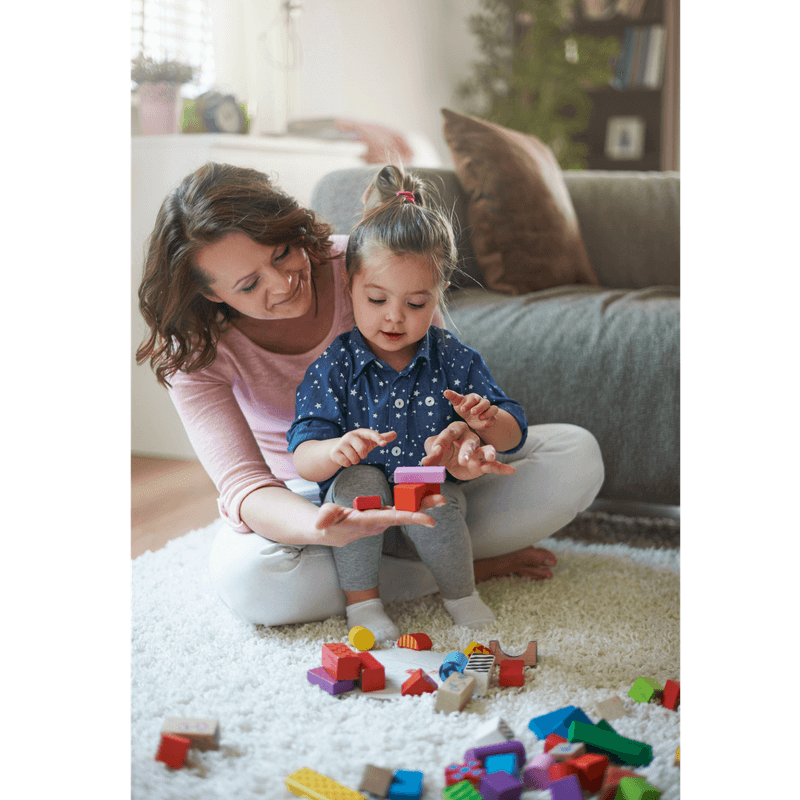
(644, 91)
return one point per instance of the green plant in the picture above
(147, 70)
(534, 73)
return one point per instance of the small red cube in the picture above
(173, 749)
(364, 503)
(511, 672)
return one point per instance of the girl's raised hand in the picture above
(475, 410)
(356, 445)
(459, 450)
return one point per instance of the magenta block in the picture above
(419, 475)
(322, 678)
(535, 774)
(568, 788)
(500, 786)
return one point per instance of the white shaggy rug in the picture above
(609, 616)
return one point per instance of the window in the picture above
(177, 30)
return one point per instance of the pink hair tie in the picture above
(407, 196)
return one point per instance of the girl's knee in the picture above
(361, 480)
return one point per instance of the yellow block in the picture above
(361, 638)
(307, 783)
(474, 647)
(677, 761)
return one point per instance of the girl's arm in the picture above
(318, 460)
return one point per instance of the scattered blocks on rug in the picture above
(608, 789)
(480, 666)
(511, 672)
(475, 647)
(415, 641)
(671, 696)
(306, 782)
(470, 771)
(367, 502)
(528, 657)
(463, 790)
(454, 693)
(373, 674)
(567, 788)
(342, 663)
(636, 789)
(418, 683)
(645, 689)
(613, 708)
(201, 732)
(172, 750)
(320, 676)
(419, 475)
(557, 721)
(376, 780)
(454, 661)
(536, 775)
(493, 731)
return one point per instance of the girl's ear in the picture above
(211, 296)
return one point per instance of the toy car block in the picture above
(645, 689)
(372, 676)
(500, 786)
(454, 661)
(493, 731)
(322, 678)
(619, 749)
(305, 782)
(480, 753)
(502, 762)
(528, 657)
(636, 789)
(511, 672)
(671, 696)
(590, 769)
(471, 771)
(408, 496)
(612, 708)
(172, 750)
(552, 740)
(201, 732)
(415, 641)
(419, 475)
(475, 647)
(567, 788)
(611, 779)
(342, 663)
(480, 666)
(367, 502)
(406, 784)
(361, 638)
(535, 775)
(418, 683)
(564, 751)
(553, 722)
(376, 780)
(677, 761)
(454, 693)
(463, 790)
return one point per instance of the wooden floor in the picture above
(169, 497)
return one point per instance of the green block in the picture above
(618, 748)
(463, 790)
(636, 789)
(644, 689)
(605, 725)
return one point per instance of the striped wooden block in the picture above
(480, 666)
(415, 641)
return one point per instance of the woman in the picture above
(242, 290)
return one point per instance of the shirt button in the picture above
(429, 401)
(399, 403)
(396, 451)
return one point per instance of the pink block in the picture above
(535, 774)
(419, 475)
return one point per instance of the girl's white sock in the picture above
(371, 615)
(470, 611)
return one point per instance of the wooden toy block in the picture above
(418, 683)
(470, 771)
(500, 786)
(373, 674)
(493, 731)
(552, 740)
(535, 775)
(367, 502)
(480, 666)
(671, 696)
(322, 678)
(561, 769)
(611, 779)
(306, 782)
(475, 647)
(406, 784)
(677, 761)
(454, 693)
(567, 788)
(361, 638)
(528, 657)
(415, 641)
(557, 721)
(454, 661)
(502, 762)
(463, 790)
(511, 672)
(172, 750)
(564, 751)
(408, 496)
(342, 663)
(376, 780)
(645, 689)
(419, 475)
(636, 789)
(613, 708)
(590, 769)
(201, 732)
(616, 747)
(480, 753)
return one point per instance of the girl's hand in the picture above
(459, 450)
(475, 410)
(349, 449)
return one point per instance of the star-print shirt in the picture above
(348, 387)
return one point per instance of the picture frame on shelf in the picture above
(625, 138)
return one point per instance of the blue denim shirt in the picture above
(348, 387)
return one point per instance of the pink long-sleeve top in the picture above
(237, 411)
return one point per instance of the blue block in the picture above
(502, 762)
(406, 784)
(557, 722)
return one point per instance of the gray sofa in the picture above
(605, 358)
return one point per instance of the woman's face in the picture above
(264, 282)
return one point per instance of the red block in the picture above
(671, 696)
(418, 683)
(590, 769)
(408, 496)
(340, 661)
(415, 641)
(373, 673)
(552, 740)
(173, 749)
(511, 672)
(608, 790)
(370, 501)
(561, 770)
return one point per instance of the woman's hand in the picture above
(459, 450)
(475, 410)
(350, 449)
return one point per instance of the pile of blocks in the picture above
(342, 668)
(179, 734)
(411, 485)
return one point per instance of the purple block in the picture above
(419, 475)
(500, 786)
(480, 753)
(535, 775)
(568, 788)
(322, 678)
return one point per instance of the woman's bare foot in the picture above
(530, 562)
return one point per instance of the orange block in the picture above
(590, 769)
(408, 496)
(418, 683)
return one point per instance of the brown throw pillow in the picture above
(524, 229)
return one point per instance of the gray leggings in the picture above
(446, 549)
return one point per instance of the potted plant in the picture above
(158, 84)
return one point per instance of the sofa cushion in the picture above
(524, 229)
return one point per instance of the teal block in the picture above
(502, 762)
(557, 721)
(406, 784)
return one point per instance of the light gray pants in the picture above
(446, 550)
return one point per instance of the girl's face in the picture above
(394, 300)
(265, 282)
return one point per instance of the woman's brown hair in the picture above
(212, 202)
